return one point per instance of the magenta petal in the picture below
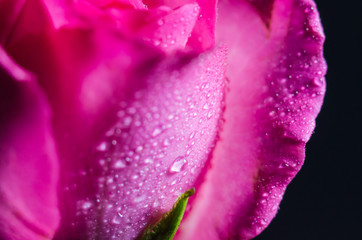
(28, 160)
(137, 4)
(9, 13)
(157, 149)
(264, 8)
(172, 31)
(276, 91)
(124, 114)
(203, 35)
(152, 153)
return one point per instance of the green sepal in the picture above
(166, 228)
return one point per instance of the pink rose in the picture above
(110, 109)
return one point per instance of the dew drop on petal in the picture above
(139, 199)
(156, 132)
(86, 205)
(102, 147)
(119, 164)
(177, 165)
(148, 160)
(117, 218)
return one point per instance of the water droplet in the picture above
(117, 218)
(119, 164)
(139, 198)
(160, 22)
(121, 113)
(86, 205)
(131, 110)
(177, 165)
(192, 135)
(166, 142)
(102, 147)
(156, 132)
(272, 113)
(318, 82)
(110, 132)
(148, 160)
(210, 113)
(139, 149)
(156, 42)
(127, 121)
(155, 204)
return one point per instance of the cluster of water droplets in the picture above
(155, 151)
(291, 93)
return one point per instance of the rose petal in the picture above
(172, 31)
(276, 91)
(164, 28)
(155, 150)
(91, 75)
(136, 4)
(28, 160)
(132, 172)
(264, 8)
(203, 34)
(28, 17)
(9, 12)
(170, 3)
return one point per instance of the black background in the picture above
(324, 201)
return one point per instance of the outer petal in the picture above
(276, 91)
(28, 160)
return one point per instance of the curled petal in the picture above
(264, 8)
(28, 160)
(136, 4)
(203, 34)
(172, 31)
(276, 75)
